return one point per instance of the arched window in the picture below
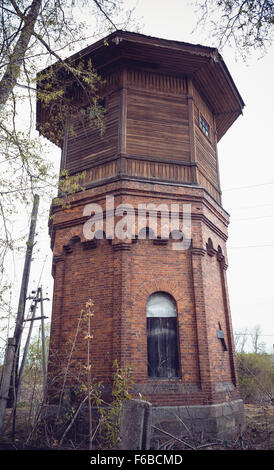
(162, 338)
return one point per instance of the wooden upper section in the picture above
(167, 105)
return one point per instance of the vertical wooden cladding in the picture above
(212, 189)
(158, 170)
(158, 82)
(100, 172)
(206, 153)
(148, 122)
(157, 117)
(157, 126)
(205, 148)
(85, 144)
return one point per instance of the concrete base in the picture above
(221, 421)
(200, 423)
(135, 425)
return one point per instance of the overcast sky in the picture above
(246, 170)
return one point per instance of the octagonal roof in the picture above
(203, 64)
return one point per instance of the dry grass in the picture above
(258, 435)
(259, 432)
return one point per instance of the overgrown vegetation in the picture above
(71, 430)
(256, 377)
(81, 418)
(110, 416)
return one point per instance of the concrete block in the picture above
(135, 425)
(221, 420)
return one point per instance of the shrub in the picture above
(256, 377)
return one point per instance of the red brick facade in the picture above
(119, 276)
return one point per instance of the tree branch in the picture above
(176, 438)
(105, 14)
(13, 69)
(73, 420)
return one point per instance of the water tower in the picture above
(161, 309)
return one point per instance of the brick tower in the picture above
(160, 307)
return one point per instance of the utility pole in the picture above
(25, 282)
(26, 349)
(6, 378)
(38, 297)
(8, 386)
(44, 349)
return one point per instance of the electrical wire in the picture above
(251, 207)
(247, 187)
(251, 218)
(250, 246)
(249, 334)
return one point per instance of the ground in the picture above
(259, 433)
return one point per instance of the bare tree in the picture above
(32, 28)
(241, 339)
(258, 346)
(250, 339)
(27, 19)
(245, 24)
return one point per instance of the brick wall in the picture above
(120, 276)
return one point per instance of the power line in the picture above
(251, 207)
(42, 271)
(249, 186)
(249, 334)
(251, 218)
(249, 246)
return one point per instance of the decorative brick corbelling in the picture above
(198, 251)
(210, 213)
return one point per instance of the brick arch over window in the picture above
(163, 285)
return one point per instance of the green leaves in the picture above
(110, 415)
(256, 376)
